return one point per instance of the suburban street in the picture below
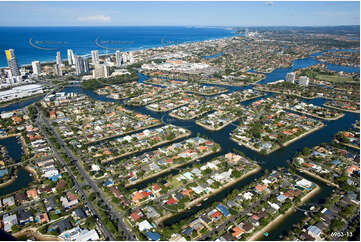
(114, 214)
(39, 121)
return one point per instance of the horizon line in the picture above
(198, 26)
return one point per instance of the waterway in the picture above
(23, 178)
(272, 161)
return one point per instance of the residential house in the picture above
(24, 217)
(32, 194)
(9, 221)
(61, 226)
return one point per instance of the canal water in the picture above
(23, 178)
(272, 161)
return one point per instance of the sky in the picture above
(276, 13)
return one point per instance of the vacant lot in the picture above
(334, 78)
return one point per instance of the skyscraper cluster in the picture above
(123, 58)
(81, 65)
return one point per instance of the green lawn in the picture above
(334, 78)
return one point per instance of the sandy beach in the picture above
(32, 171)
(29, 232)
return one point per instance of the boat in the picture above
(199, 204)
(205, 199)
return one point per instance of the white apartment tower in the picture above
(101, 71)
(71, 57)
(95, 57)
(290, 77)
(304, 80)
(118, 58)
(58, 70)
(36, 67)
(58, 58)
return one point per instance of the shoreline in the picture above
(259, 234)
(140, 48)
(217, 129)
(33, 232)
(9, 136)
(187, 119)
(15, 101)
(317, 177)
(207, 94)
(32, 171)
(153, 146)
(345, 110)
(235, 85)
(11, 180)
(129, 132)
(291, 94)
(351, 146)
(240, 143)
(167, 110)
(198, 200)
(316, 116)
(170, 168)
(303, 135)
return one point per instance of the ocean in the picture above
(42, 43)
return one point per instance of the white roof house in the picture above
(144, 225)
(9, 221)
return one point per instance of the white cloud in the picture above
(94, 18)
(269, 3)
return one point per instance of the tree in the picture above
(306, 151)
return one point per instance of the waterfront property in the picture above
(165, 105)
(114, 149)
(246, 212)
(324, 221)
(93, 121)
(315, 111)
(217, 120)
(330, 164)
(348, 106)
(266, 127)
(350, 138)
(153, 163)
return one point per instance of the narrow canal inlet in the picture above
(270, 162)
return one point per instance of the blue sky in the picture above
(179, 13)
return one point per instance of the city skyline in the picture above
(243, 13)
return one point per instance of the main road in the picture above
(114, 214)
(39, 121)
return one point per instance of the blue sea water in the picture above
(83, 39)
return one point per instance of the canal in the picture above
(272, 161)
